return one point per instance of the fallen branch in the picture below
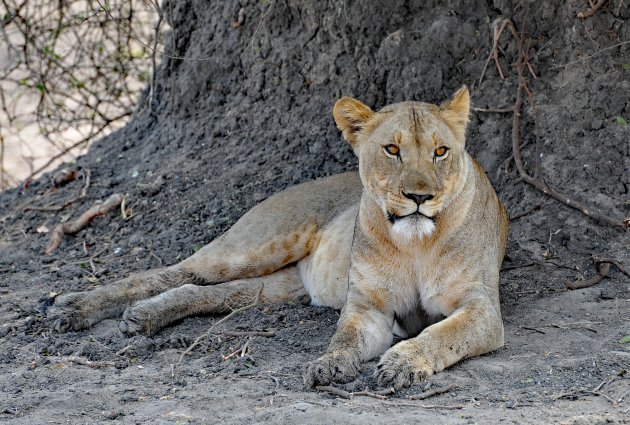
(214, 325)
(334, 391)
(240, 351)
(584, 391)
(533, 329)
(602, 272)
(495, 110)
(431, 393)
(603, 268)
(570, 325)
(544, 262)
(89, 363)
(591, 11)
(249, 333)
(83, 220)
(425, 406)
(378, 394)
(498, 26)
(574, 325)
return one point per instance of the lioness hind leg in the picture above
(227, 258)
(220, 261)
(150, 315)
(80, 310)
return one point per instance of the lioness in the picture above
(411, 245)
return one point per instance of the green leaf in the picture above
(625, 66)
(625, 340)
(41, 87)
(76, 83)
(621, 121)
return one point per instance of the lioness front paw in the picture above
(340, 367)
(68, 313)
(137, 319)
(401, 368)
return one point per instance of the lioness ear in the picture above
(350, 117)
(455, 112)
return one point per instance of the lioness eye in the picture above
(392, 150)
(441, 151)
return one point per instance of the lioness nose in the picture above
(419, 198)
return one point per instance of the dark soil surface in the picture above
(253, 117)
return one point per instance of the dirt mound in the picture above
(248, 113)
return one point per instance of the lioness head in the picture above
(411, 157)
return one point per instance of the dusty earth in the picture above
(248, 113)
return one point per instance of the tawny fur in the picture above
(412, 244)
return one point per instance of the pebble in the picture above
(27, 374)
(303, 407)
(111, 415)
(4, 330)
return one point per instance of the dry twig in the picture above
(89, 363)
(590, 56)
(431, 393)
(584, 391)
(603, 268)
(425, 406)
(379, 394)
(240, 351)
(334, 391)
(499, 26)
(495, 110)
(205, 335)
(249, 333)
(595, 6)
(83, 220)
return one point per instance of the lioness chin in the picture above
(411, 245)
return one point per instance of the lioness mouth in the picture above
(394, 218)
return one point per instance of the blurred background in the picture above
(70, 71)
